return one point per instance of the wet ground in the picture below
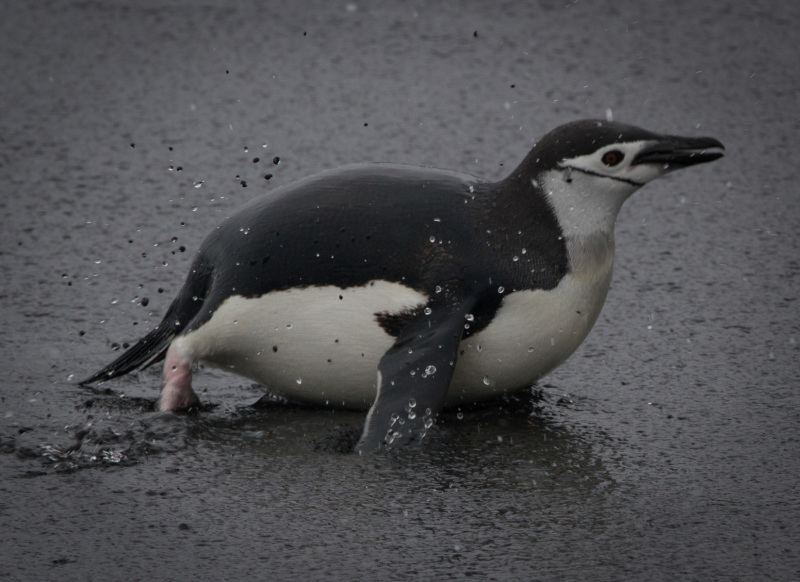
(666, 448)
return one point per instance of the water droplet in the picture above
(412, 403)
(524, 251)
(515, 258)
(469, 317)
(289, 326)
(427, 311)
(430, 370)
(428, 422)
(114, 301)
(299, 380)
(486, 380)
(432, 239)
(530, 349)
(479, 347)
(412, 415)
(501, 289)
(413, 372)
(428, 412)
(198, 183)
(460, 416)
(471, 188)
(438, 289)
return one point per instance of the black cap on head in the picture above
(583, 137)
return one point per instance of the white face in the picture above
(587, 191)
(613, 162)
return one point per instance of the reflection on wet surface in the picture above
(124, 430)
(489, 478)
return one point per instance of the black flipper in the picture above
(414, 376)
(151, 348)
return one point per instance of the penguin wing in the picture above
(414, 376)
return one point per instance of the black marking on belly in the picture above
(482, 314)
(393, 323)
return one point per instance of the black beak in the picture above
(680, 152)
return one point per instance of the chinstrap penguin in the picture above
(401, 289)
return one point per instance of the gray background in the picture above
(666, 448)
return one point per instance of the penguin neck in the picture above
(583, 211)
(586, 206)
(587, 209)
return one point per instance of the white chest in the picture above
(533, 333)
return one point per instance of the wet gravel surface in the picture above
(666, 448)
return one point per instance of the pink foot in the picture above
(177, 393)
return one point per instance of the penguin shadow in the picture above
(526, 431)
(509, 419)
(527, 434)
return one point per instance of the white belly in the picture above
(322, 345)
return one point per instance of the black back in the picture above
(424, 228)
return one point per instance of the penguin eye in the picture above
(612, 158)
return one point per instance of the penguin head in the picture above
(624, 153)
(587, 169)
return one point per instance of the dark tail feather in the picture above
(153, 346)
(144, 352)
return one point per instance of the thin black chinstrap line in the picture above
(598, 174)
